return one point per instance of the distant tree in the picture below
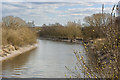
(74, 30)
(44, 25)
(98, 19)
(11, 21)
(96, 22)
(57, 24)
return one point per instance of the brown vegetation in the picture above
(16, 32)
(104, 53)
(71, 30)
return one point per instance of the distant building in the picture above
(31, 23)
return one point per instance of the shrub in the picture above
(16, 33)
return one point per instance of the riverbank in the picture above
(77, 41)
(14, 53)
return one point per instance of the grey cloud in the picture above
(60, 0)
(45, 13)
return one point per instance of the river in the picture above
(46, 61)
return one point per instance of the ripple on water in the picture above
(47, 61)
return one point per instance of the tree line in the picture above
(89, 30)
(71, 30)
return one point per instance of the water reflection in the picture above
(47, 61)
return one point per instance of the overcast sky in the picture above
(52, 11)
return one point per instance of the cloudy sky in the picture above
(52, 11)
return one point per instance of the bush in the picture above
(20, 36)
(12, 34)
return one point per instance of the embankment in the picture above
(78, 41)
(15, 53)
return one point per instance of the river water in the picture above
(46, 61)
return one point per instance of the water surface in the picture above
(47, 61)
